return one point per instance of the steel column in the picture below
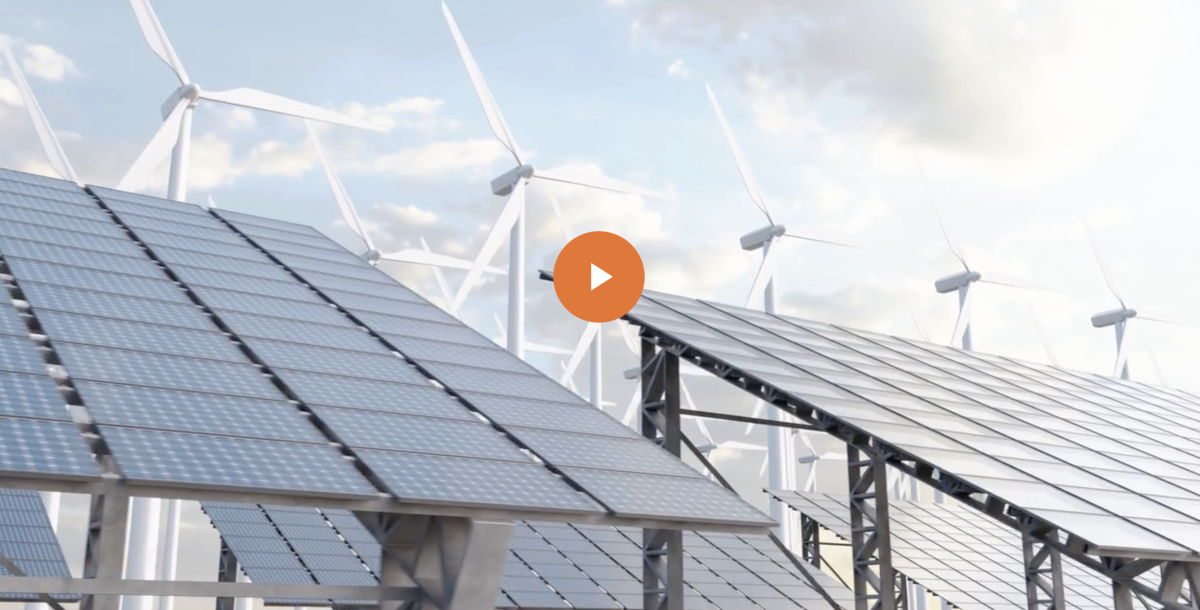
(874, 577)
(104, 555)
(1039, 590)
(810, 540)
(227, 571)
(662, 550)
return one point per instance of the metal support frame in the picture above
(662, 550)
(1043, 584)
(902, 592)
(104, 555)
(747, 420)
(227, 571)
(455, 563)
(810, 540)
(870, 539)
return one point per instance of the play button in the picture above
(598, 277)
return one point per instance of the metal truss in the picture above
(810, 540)
(870, 538)
(454, 563)
(1120, 566)
(227, 571)
(1043, 584)
(662, 550)
(902, 592)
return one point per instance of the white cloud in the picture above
(237, 117)
(472, 156)
(678, 69)
(421, 113)
(9, 94)
(47, 64)
(780, 112)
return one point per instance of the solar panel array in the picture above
(970, 560)
(1113, 462)
(205, 361)
(28, 541)
(550, 565)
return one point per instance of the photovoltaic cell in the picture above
(216, 278)
(565, 417)
(28, 541)
(31, 396)
(11, 322)
(394, 432)
(395, 327)
(44, 448)
(162, 371)
(122, 334)
(266, 327)
(162, 409)
(341, 269)
(86, 302)
(96, 226)
(1042, 438)
(15, 183)
(92, 279)
(217, 461)
(84, 207)
(194, 243)
(18, 355)
(113, 197)
(262, 554)
(313, 311)
(48, 251)
(372, 395)
(490, 356)
(379, 366)
(242, 266)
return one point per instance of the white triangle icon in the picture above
(599, 276)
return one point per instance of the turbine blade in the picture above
(634, 401)
(825, 241)
(261, 100)
(1104, 270)
(963, 321)
(546, 349)
(424, 257)
(437, 273)
(156, 150)
(581, 347)
(562, 222)
(743, 167)
(766, 271)
(1041, 332)
(999, 279)
(349, 214)
(762, 469)
(742, 446)
(212, 204)
(807, 443)
(156, 37)
(50, 144)
(1158, 372)
(504, 223)
(597, 182)
(810, 482)
(937, 211)
(631, 338)
(490, 109)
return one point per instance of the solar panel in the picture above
(162, 371)
(70, 300)
(44, 448)
(369, 395)
(217, 278)
(381, 365)
(96, 280)
(27, 539)
(11, 322)
(99, 224)
(320, 335)
(312, 311)
(122, 334)
(31, 396)
(906, 393)
(960, 555)
(89, 258)
(262, 554)
(20, 182)
(17, 355)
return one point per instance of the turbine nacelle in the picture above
(186, 92)
(1110, 318)
(705, 450)
(632, 373)
(759, 238)
(503, 185)
(372, 256)
(951, 283)
(808, 459)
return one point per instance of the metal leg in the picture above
(227, 571)
(1040, 590)
(662, 550)
(810, 540)
(901, 592)
(874, 578)
(104, 557)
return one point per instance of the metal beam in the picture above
(662, 549)
(1043, 583)
(870, 539)
(227, 571)
(104, 554)
(810, 540)
(99, 588)
(747, 420)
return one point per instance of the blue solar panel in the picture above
(166, 232)
(27, 539)
(31, 396)
(161, 371)
(606, 453)
(243, 266)
(84, 207)
(112, 244)
(341, 337)
(389, 431)
(18, 355)
(384, 286)
(251, 222)
(316, 311)
(348, 269)
(468, 379)
(262, 555)
(11, 322)
(291, 243)
(566, 417)
(100, 281)
(195, 243)
(122, 334)
(100, 225)
(78, 257)
(134, 212)
(491, 356)
(216, 278)
(115, 197)
(395, 326)
(371, 395)
(680, 497)
(193, 412)
(221, 461)
(44, 448)
(381, 366)
(71, 300)
(337, 565)
(41, 186)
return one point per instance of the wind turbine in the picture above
(58, 161)
(533, 347)
(812, 459)
(512, 184)
(780, 450)
(712, 445)
(372, 255)
(176, 129)
(1116, 318)
(635, 373)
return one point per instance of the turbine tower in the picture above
(781, 455)
(176, 129)
(58, 161)
(512, 184)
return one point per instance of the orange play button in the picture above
(599, 277)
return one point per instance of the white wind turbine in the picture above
(810, 483)
(712, 445)
(1116, 318)
(635, 373)
(176, 129)
(372, 255)
(780, 449)
(512, 216)
(58, 161)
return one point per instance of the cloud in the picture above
(473, 156)
(678, 69)
(9, 93)
(420, 113)
(237, 117)
(47, 64)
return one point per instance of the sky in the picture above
(1028, 119)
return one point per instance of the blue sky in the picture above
(1026, 115)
